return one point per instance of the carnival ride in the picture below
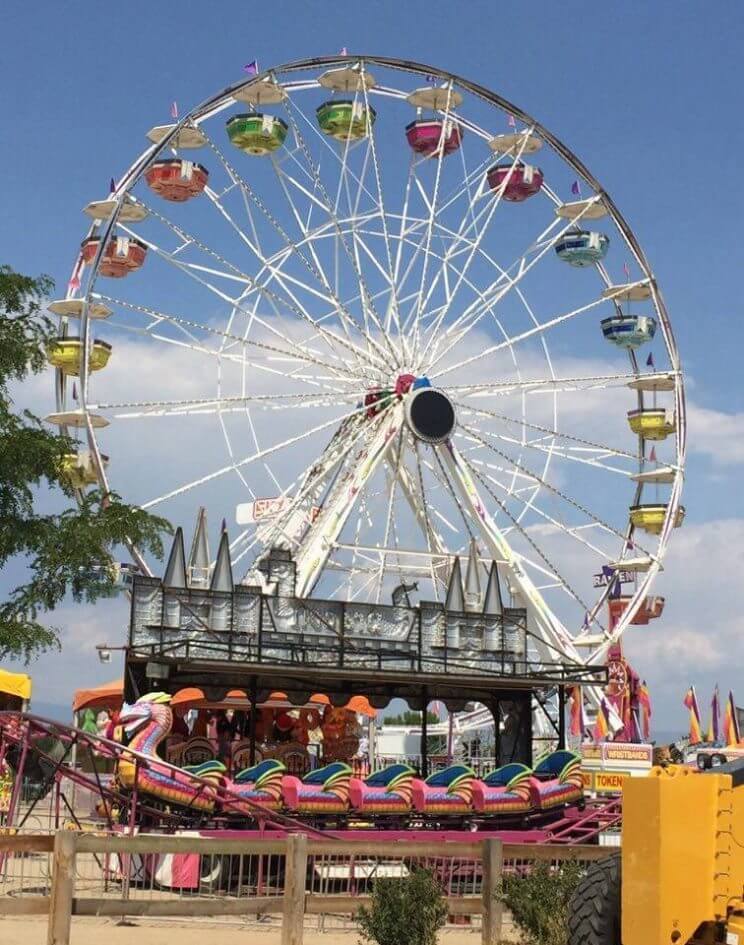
(323, 330)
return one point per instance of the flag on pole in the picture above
(577, 723)
(601, 723)
(344, 51)
(74, 284)
(431, 79)
(511, 121)
(74, 391)
(731, 735)
(691, 703)
(650, 359)
(112, 185)
(652, 455)
(644, 701)
(576, 189)
(251, 67)
(174, 110)
(714, 730)
(626, 270)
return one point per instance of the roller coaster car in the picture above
(388, 791)
(446, 792)
(557, 780)
(260, 784)
(680, 877)
(507, 790)
(323, 791)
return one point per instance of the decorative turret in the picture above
(455, 599)
(222, 583)
(198, 567)
(493, 610)
(472, 579)
(174, 579)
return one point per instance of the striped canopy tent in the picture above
(110, 696)
(15, 685)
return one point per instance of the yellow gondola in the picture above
(79, 470)
(652, 423)
(66, 354)
(650, 517)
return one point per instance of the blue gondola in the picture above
(582, 247)
(629, 331)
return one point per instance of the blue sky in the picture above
(648, 95)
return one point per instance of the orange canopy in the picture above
(110, 696)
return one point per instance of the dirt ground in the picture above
(91, 931)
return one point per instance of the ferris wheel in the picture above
(384, 319)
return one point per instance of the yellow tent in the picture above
(15, 684)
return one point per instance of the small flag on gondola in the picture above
(512, 121)
(626, 270)
(650, 360)
(344, 51)
(652, 455)
(112, 186)
(74, 391)
(251, 67)
(431, 79)
(174, 110)
(576, 189)
(691, 703)
(74, 284)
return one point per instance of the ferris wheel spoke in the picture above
(288, 300)
(528, 538)
(290, 441)
(553, 384)
(531, 505)
(475, 245)
(393, 484)
(274, 353)
(368, 304)
(162, 408)
(314, 267)
(339, 371)
(433, 538)
(506, 282)
(557, 492)
(589, 445)
(430, 225)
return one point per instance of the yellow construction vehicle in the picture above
(680, 876)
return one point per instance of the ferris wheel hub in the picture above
(430, 414)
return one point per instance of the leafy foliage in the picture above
(404, 911)
(539, 901)
(409, 717)
(70, 551)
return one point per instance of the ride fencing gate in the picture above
(291, 878)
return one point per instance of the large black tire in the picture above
(594, 912)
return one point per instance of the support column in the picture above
(424, 736)
(496, 713)
(561, 717)
(252, 696)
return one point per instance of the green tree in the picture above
(410, 717)
(407, 910)
(64, 552)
